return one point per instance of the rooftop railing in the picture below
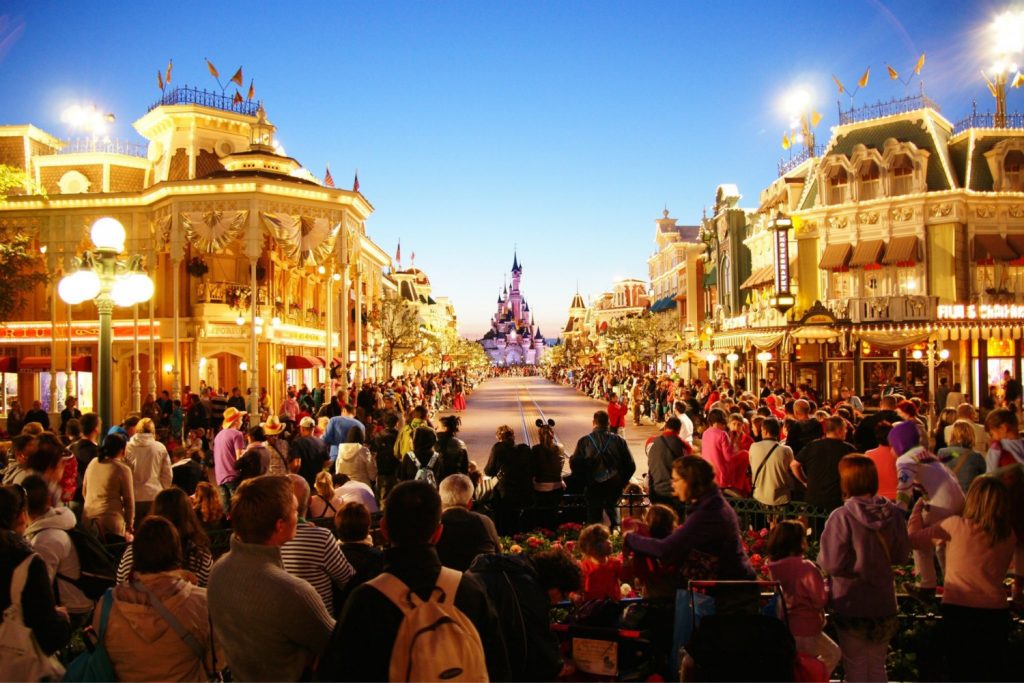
(787, 165)
(988, 120)
(893, 107)
(105, 145)
(206, 98)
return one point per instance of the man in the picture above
(764, 391)
(847, 395)
(186, 473)
(228, 446)
(864, 436)
(236, 401)
(310, 450)
(289, 411)
(360, 649)
(968, 413)
(23, 445)
(817, 465)
(941, 395)
(271, 624)
(770, 466)
(218, 404)
(70, 412)
(1011, 391)
(314, 554)
(281, 461)
(337, 429)
(37, 414)
(803, 429)
(466, 533)
(662, 452)
(603, 462)
(679, 408)
(166, 406)
(616, 414)
(48, 532)
(383, 448)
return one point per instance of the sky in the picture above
(558, 128)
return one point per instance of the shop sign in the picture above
(735, 323)
(13, 333)
(981, 312)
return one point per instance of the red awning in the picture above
(8, 364)
(302, 362)
(81, 363)
(42, 364)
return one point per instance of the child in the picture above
(804, 590)
(1007, 447)
(657, 579)
(602, 573)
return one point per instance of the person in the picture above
(280, 461)
(680, 409)
(885, 461)
(548, 459)
(771, 466)
(938, 433)
(324, 501)
(310, 450)
(360, 647)
(710, 530)
(289, 408)
(860, 543)
(602, 572)
(1011, 391)
(186, 472)
(15, 418)
(48, 460)
(70, 412)
(22, 446)
(803, 589)
(715, 446)
(37, 414)
(206, 503)
(141, 643)
(352, 524)
(864, 436)
(1007, 447)
(465, 533)
(86, 448)
(150, 465)
(980, 545)
(236, 400)
(47, 530)
(49, 623)
(816, 465)
(512, 464)
(355, 459)
(968, 413)
(656, 580)
(346, 489)
(383, 448)
(739, 433)
(255, 459)
(604, 463)
(454, 456)
(337, 429)
(459, 398)
(616, 414)
(109, 491)
(523, 590)
(663, 451)
(277, 636)
(847, 395)
(227, 449)
(960, 456)
(803, 428)
(314, 555)
(174, 505)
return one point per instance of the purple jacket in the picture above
(860, 543)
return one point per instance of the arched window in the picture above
(870, 181)
(902, 175)
(1012, 167)
(838, 185)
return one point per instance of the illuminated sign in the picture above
(14, 333)
(981, 312)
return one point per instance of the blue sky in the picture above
(561, 127)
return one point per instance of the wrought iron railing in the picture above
(893, 107)
(205, 98)
(987, 120)
(233, 294)
(787, 165)
(106, 145)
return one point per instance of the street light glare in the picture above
(1008, 35)
(108, 233)
(796, 102)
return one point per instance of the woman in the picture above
(355, 459)
(960, 455)
(208, 508)
(980, 547)
(548, 463)
(716, 448)
(49, 460)
(352, 526)
(142, 644)
(885, 461)
(454, 456)
(39, 612)
(108, 491)
(174, 505)
(946, 418)
(459, 401)
(15, 418)
(150, 463)
(512, 464)
(323, 502)
(860, 543)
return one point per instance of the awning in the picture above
(901, 250)
(663, 304)
(302, 362)
(8, 364)
(815, 334)
(835, 256)
(993, 247)
(42, 364)
(759, 277)
(711, 278)
(867, 252)
(1016, 241)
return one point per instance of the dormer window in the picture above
(870, 181)
(902, 175)
(838, 186)
(1012, 168)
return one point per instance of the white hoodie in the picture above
(150, 465)
(355, 460)
(49, 537)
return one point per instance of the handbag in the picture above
(94, 664)
(21, 658)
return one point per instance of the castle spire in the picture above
(516, 268)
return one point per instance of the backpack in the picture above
(21, 658)
(94, 664)
(604, 466)
(99, 567)
(426, 472)
(435, 641)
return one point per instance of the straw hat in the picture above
(273, 426)
(232, 415)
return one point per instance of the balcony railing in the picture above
(987, 120)
(106, 146)
(894, 309)
(891, 108)
(787, 165)
(232, 293)
(205, 98)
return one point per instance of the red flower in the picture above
(763, 533)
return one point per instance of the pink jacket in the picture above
(804, 590)
(716, 449)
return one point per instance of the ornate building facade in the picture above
(514, 339)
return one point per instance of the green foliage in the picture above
(21, 271)
(14, 178)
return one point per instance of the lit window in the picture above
(838, 182)
(870, 181)
(902, 175)
(1012, 169)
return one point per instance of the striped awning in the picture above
(835, 256)
(993, 247)
(868, 252)
(901, 250)
(759, 277)
(302, 362)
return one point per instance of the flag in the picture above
(815, 119)
(237, 99)
(237, 78)
(892, 73)
(398, 254)
(412, 258)
(1018, 80)
(838, 84)
(252, 90)
(159, 79)
(213, 69)
(920, 65)
(170, 63)
(863, 82)
(328, 180)
(785, 141)
(355, 183)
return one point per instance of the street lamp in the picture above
(764, 357)
(711, 359)
(110, 281)
(732, 358)
(932, 357)
(1008, 40)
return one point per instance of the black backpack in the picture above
(99, 567)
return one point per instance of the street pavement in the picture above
(519, 401)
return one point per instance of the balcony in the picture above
(976, 120)
(787, 165)
(902, 105)
(887, 309)
(233, 294)
(205, 98)
(104, 146)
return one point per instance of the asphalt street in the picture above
(519, 401)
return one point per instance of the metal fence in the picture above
(987, 120)
(206, 98)
(901, 105)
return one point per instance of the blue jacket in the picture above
(337, 432)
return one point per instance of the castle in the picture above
(513, 339)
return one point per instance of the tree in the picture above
(644, 339)
(399, 327)
(21, 265)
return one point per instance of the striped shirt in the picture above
(198, 561)
(315, 556)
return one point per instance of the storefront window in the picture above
(10, 390)
(908, 280)
(985, 275)
(876, 375)
(81, 387)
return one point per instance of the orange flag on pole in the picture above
(920, 65)
(863, 82)
(252, 91)
(159, 79)
(893, 74)
(167, 79)
(237, 78)
(213, 69)
(237, 99)
(838, 84)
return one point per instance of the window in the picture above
(838, 182)
(908, 281)
(1014, 181)
(870, 181)
(842, 286)
(902, 175)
